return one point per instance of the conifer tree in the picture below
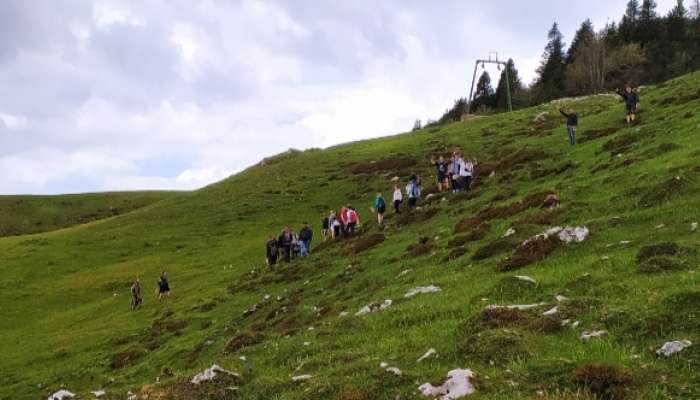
(550, 82)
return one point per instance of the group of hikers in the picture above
(289, 245)
(162, 290)
(631, 99)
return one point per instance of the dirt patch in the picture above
(387, 165)
(593, 134)
(456, 253)
(620, 144)
(675, 314)
(167, 325)
(504, 195)
(554, 171)
(547, 217)
(498, 246)
(473, 232)
(495, 345)
(659, 264)
(532, 251)
(510, 160)
(605, 381)
(206, 307)
(663, 192)
(367, 242)
(502, 212)
(242, 340)
(656, 250)
(408, 217)
(127, 357)
(423, 247)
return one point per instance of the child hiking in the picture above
(455, 170)
(284, 242)
(413, 192)
(136, 300)
(465, 173)
(571, 124)
(397, 199)
(163, 287)
(380, 208)
(440, 173)
(305, 236)
(271, 251)
(631, 99)
(351, 220)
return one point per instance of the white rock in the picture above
(659, 226)
(344, 313)
(670, 348)
(577, 234)
(526, 278)
(565, 322)
(694, 226)
(561, 298)
(509, 232)
(373, 307)
(383, 365)
(624, 242)
(457, 385)
(520, 307)
(541, 117)
(395, 179)
(394, 371)
(98, 393)
(131, 396)
(431, 352)
(551, 311)
(587, 335)
(404, 272)
(422, 290)
(307, 343)
(61, 394)
(605, 258)
(210, 373)
(299, 378)
(576, 324)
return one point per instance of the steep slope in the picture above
(21, 215)
(631, 186)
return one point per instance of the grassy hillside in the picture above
(64, 301)
(21, 215)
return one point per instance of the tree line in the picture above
(642, 48)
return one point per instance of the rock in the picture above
(509, 232)
(422, 290)
(575, 324)
(98, 393)
(131, 396)
(431, 352)
(567, 235)
(61, 394)
(394, 371)
(561, 298)
(587, 335)
(211, 373)
(344, 313)
(552, 200)
(395, 179)
(551, 311)
(457, 385)
(383, 365)
(525, 278)
(369, 308)
(670, 348)
(300, 378)
(404, 272)
(541, 117)
(565, 322)
(521, 307)
(694, 227)
(660, 226)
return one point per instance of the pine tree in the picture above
(550, 82)
(485, 95)
(676, 23)
(516, 88)
(584, 35)
(628, 25)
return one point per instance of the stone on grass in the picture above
(541, 117)
(369, 308)
(422, 290)
(671, 348)
(694, 226)
(561, 298)
(394, 371)
(61, 394)
(551, 311)
(457, 385)
(300, 378)
(509, 232)
(431, 352)
(587, 335)
(98, 393)
(211, 373)
(521, 307)
(526, 278)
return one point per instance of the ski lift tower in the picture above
(493, 59)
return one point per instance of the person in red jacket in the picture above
(343, 218)
(352, 219)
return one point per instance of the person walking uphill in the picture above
(631, 99)
(136, 295)
(455, 170)
(284, 242)
(305, 236)
(397, 199)
(379, 208)
(351, 220)
(272, 251)
(571, 124)
(413, 192)
(441, 173)
(163, 287)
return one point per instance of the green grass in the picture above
(64, 317)
(24, 214)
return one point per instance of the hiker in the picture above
(441, 173)
(163, 287)
(334, 224)
(571, 123)
(272, 251)
(305, 236)
(284, 242)
(397, 199)
(296, 246)
(413, 191)
(326, 227)
(380, 208)
(136, 300)
(352, 219)
(455, 169)
(465, 173)
(342, 218)
(631, 98)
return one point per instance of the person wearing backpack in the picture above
(343, 219)
(397, 199)
(334, 223)
(352, 220)
(285, 242)
(305, 236)
(413, 192)
(163, 286)
(271, 249)
(571, 124)
(631, 99)
(380, 208)
(455, 169)
(465, 173)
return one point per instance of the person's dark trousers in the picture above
(412, 202)
(397, 206)
(571, 131)
(287, 253)
(467, 182)
(455, 184)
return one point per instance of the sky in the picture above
(177, 94)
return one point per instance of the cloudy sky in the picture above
(155, 94)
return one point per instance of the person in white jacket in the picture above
(465, 173)
(398, 199)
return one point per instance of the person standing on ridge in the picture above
(351, 220)
(440, 172)
(413, 192)
(325, 227)
(631, 99)
(284, 242)
(379, 208)
(465, 173)
(163, 287)
(455, 171)
(272, 251)
(305, 236)
(136, 295)
(571, 124)
(397, 199)
(334, 224)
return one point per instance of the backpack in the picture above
(380, 203)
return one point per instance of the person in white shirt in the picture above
(398, 199)
(466, 172)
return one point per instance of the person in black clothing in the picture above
(284, 242)
(631, 98)
(163, 287)
(325, 228)
(272, 251)
(571, 123)
(305, 236)
(441, 173)
(136, 300)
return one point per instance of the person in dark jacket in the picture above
(284, 242)
(305, 236)
(272, 251)
(631, 99)
(136, 300)
(571, 124)
(163, 287)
